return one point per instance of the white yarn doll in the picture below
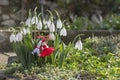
(37, 49)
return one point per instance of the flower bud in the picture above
(52, 27)
(51, 36)
(59, 24)
(24, 32)
(34, 20)
(78, 45)
(28, 31)
(28, 22)
(39, 25)
(63, 32)
(12, 38)
(19, 36)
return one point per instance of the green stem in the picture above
(51, 15)
(76, 38)
(35, 11)
(57, 14)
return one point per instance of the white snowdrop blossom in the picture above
(52, 27)
(97, 19)
(16, 38)
(19, 37)
(24, 32)
(34, 20)
(39, 25)
(51, 36)
(28, 22)
(63, 32)
(59, 24)
(12, 38)
(78, 45)
(45, 26)
(44, 22)
(48, 23)
(28, 31)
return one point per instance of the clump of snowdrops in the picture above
(23, 40)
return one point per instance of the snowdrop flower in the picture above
(12, 38)
(59, 24)
(28, 31)
(34, 20)
(28, 22)
(24, 32)
(48, 23)
(63, 32)
(45, 26)
(51, 36)
(19, 36)
(97, 18)
(78, 45)
(45, 23)
(52, 27)
(39, 25)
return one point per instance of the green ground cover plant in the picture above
(79, 64)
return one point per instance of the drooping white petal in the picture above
(28, 22)
(49, 23)
(101, 18)
(39, 25)
(19, 36)
(59, 24)
(63, 32)
(45, 26)
(44, 22)
(23, 31)
(78, 45)
(16, 38)
(51, 36)
(28, 31)
(52, 27)
(12, 38)
(34, 20)
(97, 18)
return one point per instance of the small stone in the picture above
(3, 36)
(12, 59)
(2, 77)
(4, 41)
(5, 17)
(4, 2)
(8, 23)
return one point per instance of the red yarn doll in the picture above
(45, 50)
(42, 48)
